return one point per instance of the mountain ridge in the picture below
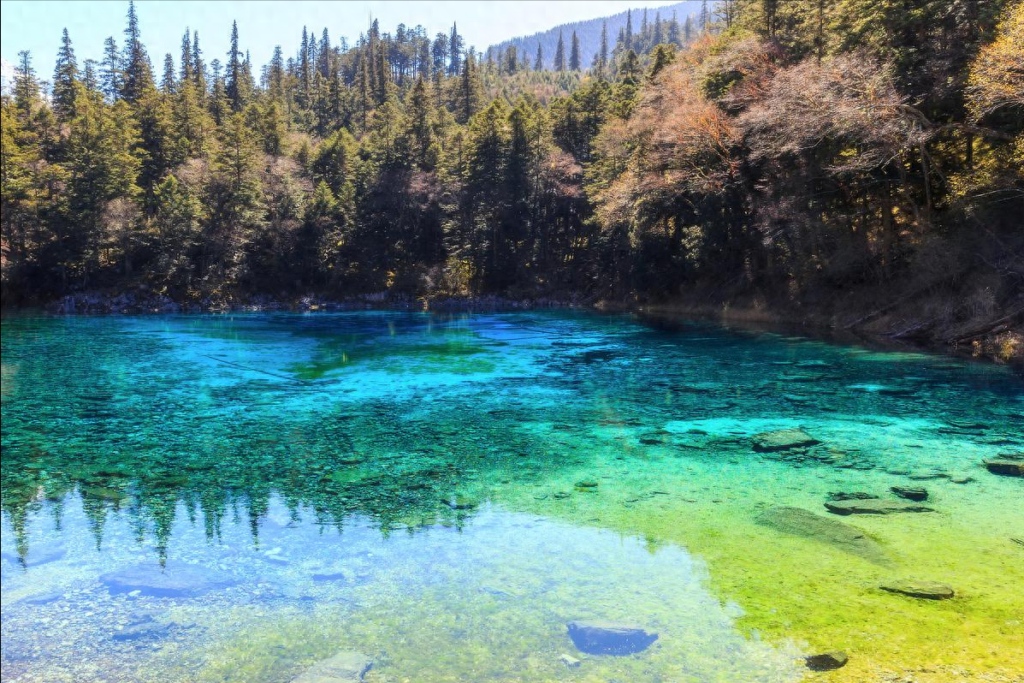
(589, 32)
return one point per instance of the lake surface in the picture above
(238, 497)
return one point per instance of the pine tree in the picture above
(191, 122)
(26, 87)
(90, 79)
(469, 95)
(602, 55)
(65, 78)
(153, 114)
(455, 46)
(323, 62)
(276, 75)
(673, 31)
(305, 75)
(111, 72)
(538, 62)
(421, 126)
(167, 82)
(560, 54)
(199, 68)
(138, 73)
(574, 53)
(234, 85)
(238, 198)
(273, 130)
(187, 73)
(627, 36)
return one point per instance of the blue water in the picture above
(444, 493)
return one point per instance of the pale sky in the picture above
(36, 25)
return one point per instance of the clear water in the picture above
(407, 486)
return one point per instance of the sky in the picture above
(36, 25)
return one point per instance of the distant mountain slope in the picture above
(589, 32)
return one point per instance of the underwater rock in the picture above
(910, 492)
(42, 598)
(36, 556)
(144, 626)
(827, 661)
(175, 580)
(1005, 467)
(927, 476)
(807, 524)
(782, 440)
(344, 667)
(460, 502)
(569, 661)
(927, 590)
(104, 493)
(873, 507)
(967, 424)
(598, 355)
(609, 638)
(851, 495)
(346, 575)
(586, 484)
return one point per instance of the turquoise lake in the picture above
(239, 497)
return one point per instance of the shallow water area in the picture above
(239, 497)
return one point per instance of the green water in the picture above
(408, 486)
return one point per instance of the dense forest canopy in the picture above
(789, 147)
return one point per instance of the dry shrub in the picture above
(849, 103)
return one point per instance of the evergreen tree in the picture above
(187, 71)
(455, 47)
(167, 82)
(469, 95)
(574, 53)
(198, 67)
(560, 54)
(602, 55)
(672, 35)
(26, 87)
(90, 79)
(111, 73)
(235, 85)
(538, 62)
(65, 77)
(138, 74)
(421, 122)
(191, 122)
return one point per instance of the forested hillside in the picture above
(803, 154)
(673, 23)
